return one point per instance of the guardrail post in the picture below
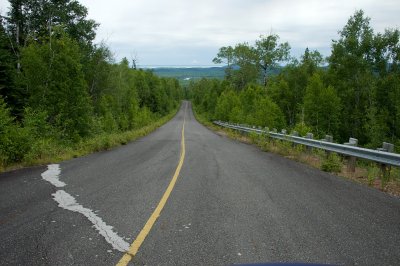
(266, 133)
(351, 167)
(309, 136)
(328, 138)
(384, 156)
(385, 169)
(294, 134)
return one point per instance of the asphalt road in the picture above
(232, 203)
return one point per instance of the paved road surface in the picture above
(232, 203)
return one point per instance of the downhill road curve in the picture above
(231, 203)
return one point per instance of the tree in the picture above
(269, 53)
(97, 70)
(268, 114)
(351, 74)
(285, 96)
(252, 60)
(55, 82)
(227, 102)
(387, 95)
(245, 59)
(7, 72)
(35, 19)
(321, 107)
(226, 56)
(14, 141)
(311, 61)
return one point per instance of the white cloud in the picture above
(176, 31)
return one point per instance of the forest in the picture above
(60, 89)
(355, 92)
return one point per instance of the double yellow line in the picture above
(133, 249)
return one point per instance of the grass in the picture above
(366, 172)
(46, 152)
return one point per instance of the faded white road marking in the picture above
(68, 202)
(51, 175)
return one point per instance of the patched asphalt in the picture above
(232, 203)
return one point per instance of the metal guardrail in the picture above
(383, 157)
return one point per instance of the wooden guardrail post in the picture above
(385, 169)
(309, 136)
(294, 134)
(384, 156)
(328, 138)
(351, 166)
(266, 134)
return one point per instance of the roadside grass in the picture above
(366, 172)
(47, 151)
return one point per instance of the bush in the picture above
(14, 142)
(302, 129)
(373, 173)
(332, 164)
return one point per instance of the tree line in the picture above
(355, 92)
(57, 87)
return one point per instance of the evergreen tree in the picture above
(8, 91)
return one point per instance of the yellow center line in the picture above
(133, 249)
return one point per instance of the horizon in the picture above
(190, 34)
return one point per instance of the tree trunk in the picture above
(265, 77)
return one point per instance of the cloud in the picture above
(177, 31)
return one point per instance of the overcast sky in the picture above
(184, 32)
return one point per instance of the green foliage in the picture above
(251, 105)
(8, 89)
(356, 95)
(373, 174)
(247, 63)
(53, 76)
(58, 91)
(302, 129)
(286, 98)
(332, 163)
(13, 139)
(34, 19)
(351, 74)
(254, 137)
(269, 53)
(288, 88)
(321, 107)
(227, 108)
(267, 113)
(226, 55)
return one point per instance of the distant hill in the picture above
(186, 74)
